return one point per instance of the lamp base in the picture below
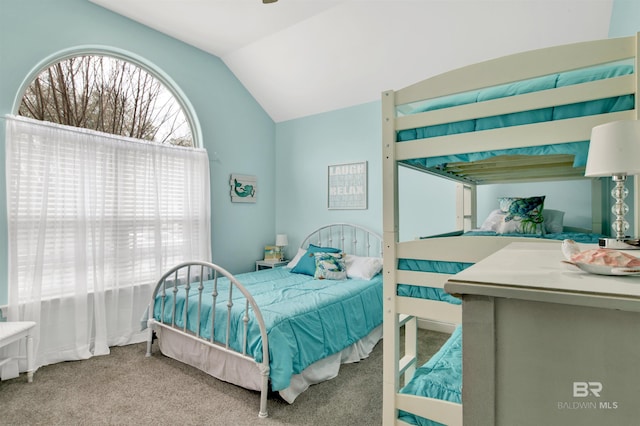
(626, 243)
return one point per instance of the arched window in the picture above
(110, 95)
(106, 189)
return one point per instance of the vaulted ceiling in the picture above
(303, 57)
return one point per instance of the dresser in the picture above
(545, 343)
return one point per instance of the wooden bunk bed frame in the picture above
(403, 311)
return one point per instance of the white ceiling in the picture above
(302, 57)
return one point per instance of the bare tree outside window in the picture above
(109, 95)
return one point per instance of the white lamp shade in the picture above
(282, 240)
(614, 149)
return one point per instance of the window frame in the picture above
(152, 69)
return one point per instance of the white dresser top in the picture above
(536, 272)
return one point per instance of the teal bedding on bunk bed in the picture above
(306, 319)
(431, 293)
(578, 149)
(439, 378)
(442, 267)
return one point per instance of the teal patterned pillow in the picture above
(330, 266)
(307, 263)
(524, 213)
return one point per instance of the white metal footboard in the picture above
(190, 277)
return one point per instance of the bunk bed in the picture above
(525, 117)
(281, 329)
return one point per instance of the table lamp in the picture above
(281, 242)
(614, 151)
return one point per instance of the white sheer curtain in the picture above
(93, 221)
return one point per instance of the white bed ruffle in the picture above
(245, 373)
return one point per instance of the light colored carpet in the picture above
(127, 388)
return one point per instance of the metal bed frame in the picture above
(190, 276)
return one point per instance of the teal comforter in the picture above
(306, 319)
(561, 112)
(439, 378)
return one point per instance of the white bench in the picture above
(13, 331)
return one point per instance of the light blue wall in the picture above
(234, 126)
(625, 18)
(305, 148)
(427, 204)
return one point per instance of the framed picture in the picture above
(243, 188)
(347, 186)
(272, 253)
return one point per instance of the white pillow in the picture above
(553, 220)
(493, 221)
(296, 258)
(362, 267)
(511, 227)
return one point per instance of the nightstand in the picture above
(265, 264)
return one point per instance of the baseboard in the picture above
(441, 327)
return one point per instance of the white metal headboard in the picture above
(350, 238)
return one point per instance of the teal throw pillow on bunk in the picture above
(330, 266)
(307, 263)
(525, 215)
